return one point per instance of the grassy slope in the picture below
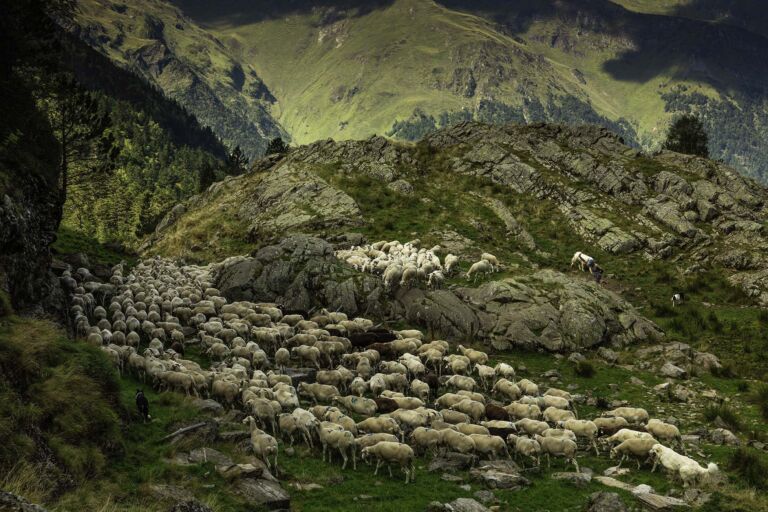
(127, 481)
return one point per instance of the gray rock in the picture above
(706, 361)
(605, 502)
(607, 355)
(264, 493)
(465, 505)
(203, 455)
(435, 506)
(723, 436)
(499, 475)
(573, 478)
(11, 503)
(190, 506)
(401, 186)
(485, 496)
(675, 372)
(452, 461)
(576, 357)
(207, 405)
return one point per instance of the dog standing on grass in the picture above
(677, 299)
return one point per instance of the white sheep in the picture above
(526, 447)
(477, 268)
(559, 447)
(490, 258)
(263, 444)
(389, 452)
(638, 448)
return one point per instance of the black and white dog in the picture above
(677, 299)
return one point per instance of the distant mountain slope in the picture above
(189, 65)
(347, 69)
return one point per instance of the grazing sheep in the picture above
(583, 429)
(637, 448)
(528, 387)
(490, 258)
(341, 440)
(461, 382)
(506, 389)
(473, 409)
(531, 427)
(664, 432)
(624, 434)
(457, 442)
(526, 447)
(282, 358)
(356, 404)
(420, 389)
(488, 445)
(358, 386)
(451, 261)
(427, 439)
(477, 268)
(610, 425)
(379, 425)
(387, 452)
(633, 415)
(559, 447)
(263, 444)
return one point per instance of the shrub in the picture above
(663, 310)
(760, 398)
(751, 466)
(742, 386)
(584, 369)
(725, 371)
(726, 414)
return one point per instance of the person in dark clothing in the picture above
(142, 404)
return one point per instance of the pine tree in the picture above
(237, 162)
(277, 146)
(687, 135)
(87, 149)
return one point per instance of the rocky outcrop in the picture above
(30, 213)
(611, 197)
(545, 309)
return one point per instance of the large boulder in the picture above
(605, 502)
(547, 309)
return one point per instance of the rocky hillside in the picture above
(161, 44)
(532, 195)
(348, 69)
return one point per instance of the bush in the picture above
(751, 466)
(742, 386)
(725, 371)
(760, 398)
(584, 369)
(726, 414)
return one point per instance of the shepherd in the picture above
(585, 261)
(142, 404)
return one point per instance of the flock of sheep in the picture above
(383, 395)
(406, 264)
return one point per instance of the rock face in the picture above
(29, 217)
(546, 309)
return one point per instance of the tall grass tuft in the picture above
(760, 398)
(726, 414)
(751, 466)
